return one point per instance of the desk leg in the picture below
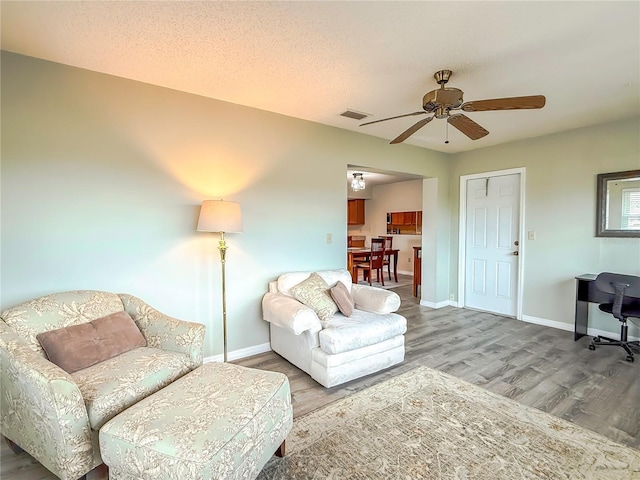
(582, 313)
(582, 319)
(395, 266)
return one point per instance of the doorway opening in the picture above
(369, 212)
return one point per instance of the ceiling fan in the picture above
(443, 100)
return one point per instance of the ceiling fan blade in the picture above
(467, 126)
(422, 112)
(511, 103)
(411, 130)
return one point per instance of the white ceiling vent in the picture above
(353, 114)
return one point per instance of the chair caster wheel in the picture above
(592, 346)
(629, 359)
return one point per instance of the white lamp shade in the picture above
(220, 216)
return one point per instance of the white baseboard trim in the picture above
(569, 327)
(406, 272)
(437, 305)
(242, 353)
(594, 332)
(548, 323)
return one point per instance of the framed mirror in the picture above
(618, 204)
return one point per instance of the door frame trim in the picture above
(462, 232)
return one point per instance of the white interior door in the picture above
(491, 244)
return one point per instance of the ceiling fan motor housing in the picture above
(446, 98)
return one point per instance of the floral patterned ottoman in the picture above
(220, 421)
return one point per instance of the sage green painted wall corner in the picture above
(102, 179)
(560, 206)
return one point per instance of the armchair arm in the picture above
(167, 333)
(42, 409)
(288, 313)
(374, 299)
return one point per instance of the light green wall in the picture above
(560, 206)
(102, 179)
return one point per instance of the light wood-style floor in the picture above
(538, 366)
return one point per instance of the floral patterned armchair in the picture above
(56, 416)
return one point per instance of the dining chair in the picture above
(388, 246)
(375, 262)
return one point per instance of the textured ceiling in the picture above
(313, 60)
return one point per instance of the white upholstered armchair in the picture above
(328, 345)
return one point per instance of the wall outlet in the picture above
(329, 238)
(452, 296)
(408, 259)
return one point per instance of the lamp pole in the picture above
(222, 246)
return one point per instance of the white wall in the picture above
(102, 179)
(560, 206)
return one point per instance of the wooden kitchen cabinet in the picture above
(355, 212)
(404, 223)
(409, 218)
(397, 218)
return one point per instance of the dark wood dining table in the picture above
(354, 254)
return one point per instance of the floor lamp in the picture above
(221, 217)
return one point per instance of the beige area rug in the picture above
(427, 424)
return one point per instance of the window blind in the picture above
(630, 209)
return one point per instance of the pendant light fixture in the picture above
(358, 182)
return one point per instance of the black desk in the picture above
(586, 292)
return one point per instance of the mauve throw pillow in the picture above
(342, 296)
(80, 346)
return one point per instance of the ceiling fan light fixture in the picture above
(443, 100)
(442, 112)
(357, 183)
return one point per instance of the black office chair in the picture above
(626, 304)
